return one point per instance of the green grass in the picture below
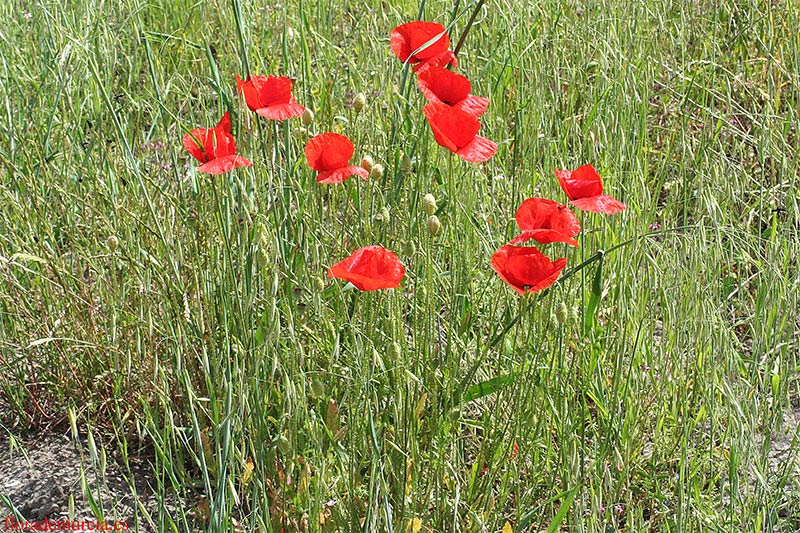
(212, 336)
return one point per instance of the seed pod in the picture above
(376, 173)
(429, 204)
(112, 243)
(308, 117)
(359, 102)
(367, 163)
(434, 225)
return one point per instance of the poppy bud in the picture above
(574, 313)
(385, 214)
(359, 102)
(308, 117)
(434, 225)
(367, 163)
(561, 313)
(377, 172)
(429, 204)
(410, 248)
(112, 243)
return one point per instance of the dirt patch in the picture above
(40, 477)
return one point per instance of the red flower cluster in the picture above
(452, 112)
(527, 269)
(269, 96)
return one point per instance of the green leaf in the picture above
(484, 388)
(594, 298)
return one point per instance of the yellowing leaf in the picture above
(507, 528)
(416, 525)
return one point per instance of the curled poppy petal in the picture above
(478, 150)
(418, 41)
(270, 96)
(603, 203)
(456, 130)
(547, 221)
(439, 60)
(525, 268)
(329, 154)
(443, 86)
(224, 164)
(341, 174)
(370, 268)
(329, 151)
(584, 188)
(214, 147)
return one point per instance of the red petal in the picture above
(599, 204)
(407, 39)
(281, 111)
(250, 91)
(474, 105)
(439, 60)
(478, 151)
(329, 151)
(525, 268)
(443, 86)
(453, 128)
(543, 236)
(224, 123)
(341, 174)
(275, 90)
(541, 213)
(195, 142)
(370, 268)
(224, 164)
(580, 183)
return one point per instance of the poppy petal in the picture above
(370, 268)
(341, 174)
(281, 111)
(417, 41)
(452, 128)
(546, 214)
(249, 89)
(329, 151)
(525, 268)
(195, 142)
(602, 203)
(543, 236)
(474, 105)
(580, 183)
(224, 164)
(224, 123)
(439, 60)
(478, 151)
(441, 85)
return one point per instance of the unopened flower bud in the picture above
(367, 163)
(359, 102)
(308, 117)
(112, 243)
(376, 173)
(561, 313)
(385, 214)
(429, 204)
(434, 225)
(318, 387)
(405, 163)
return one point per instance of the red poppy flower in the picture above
(215, 148)
(457, 131)
(422, 44)
(329, 154)
(546, 221)
(525, 268)
(446, 87)
(270, 96)
(370, 268)
(584, 189)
